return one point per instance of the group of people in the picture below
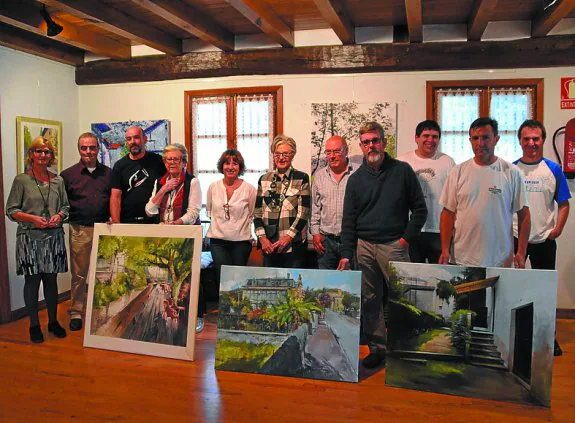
(420, 207)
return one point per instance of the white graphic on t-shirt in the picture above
(138, 179)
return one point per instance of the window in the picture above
(244, 118)
(456, 104)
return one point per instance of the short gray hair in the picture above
(283, 139)
(176, 147)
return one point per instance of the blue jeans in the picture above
(330, 259)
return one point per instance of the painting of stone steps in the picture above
(472, 331)
(289, 322)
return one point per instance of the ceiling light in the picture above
(52, 28)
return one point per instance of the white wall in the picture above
(33, 87)
(166, 100)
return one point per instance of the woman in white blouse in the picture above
(176, 198)
(230, 206)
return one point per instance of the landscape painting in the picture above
(472, 331)
(112, 137)
(345, 119)
(289, 322)
(143, 289)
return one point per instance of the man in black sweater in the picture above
(376, 221)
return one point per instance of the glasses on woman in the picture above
(227, 211)
(282, 155)
(173, 159)
(39, 151)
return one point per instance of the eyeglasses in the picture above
(336, 152)
(47, 152)
(227, 211)
(89, 147)
(373, 141)
(173, 159)
(282, 155)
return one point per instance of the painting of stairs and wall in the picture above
(472, 331)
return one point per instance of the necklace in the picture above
(45, 212)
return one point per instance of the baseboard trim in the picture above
(566, 313)
(21, 312)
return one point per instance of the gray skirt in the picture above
(41, 251)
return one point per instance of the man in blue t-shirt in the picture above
(548, 196)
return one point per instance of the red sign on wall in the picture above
(568, 93)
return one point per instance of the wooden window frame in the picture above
(486, 85)
(275, 90)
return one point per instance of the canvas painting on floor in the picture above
(112, 137)
(345, 119)
(143, 289)
(472, 331)
(289, 322)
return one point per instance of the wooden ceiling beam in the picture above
(544, 22)
(27, 42)
(118, 22)
(263, 16)
(191, 20)
(479, 17)
(336, 15)
(414, 15)
(27, 16)
(548, 51)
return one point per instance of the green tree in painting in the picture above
(396, 291)
(445, 290)
(290, 312)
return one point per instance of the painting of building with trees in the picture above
(472, 331)
(289, 322)
(141, 287)
(345, 119)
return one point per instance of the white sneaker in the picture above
(199, 324)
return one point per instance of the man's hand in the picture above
(519, 261)
(443, 258)
(554, 234)
(403, 243)
(267, 246)
(344, 264)
(283, 243)
(317, 244)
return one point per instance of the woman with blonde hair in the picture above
(283, 208)
(39, 204)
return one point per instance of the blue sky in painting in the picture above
(235, 276)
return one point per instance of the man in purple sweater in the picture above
(379, 198)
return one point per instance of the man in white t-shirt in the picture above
(548, 196)
(431, 168)
(479, 200)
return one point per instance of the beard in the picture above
(374, 157)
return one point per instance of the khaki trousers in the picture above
(80, 250)
(373, 261)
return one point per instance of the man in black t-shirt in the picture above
(133, 179)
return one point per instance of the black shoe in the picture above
(36, 334)
(57, 330)
(75, 324)
(557, 351)
(374, 359)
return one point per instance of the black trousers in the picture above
(542, 256)
(426, 248)
(31, 288)
(293, 260)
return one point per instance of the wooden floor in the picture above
(60, 380)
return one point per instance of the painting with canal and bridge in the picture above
(472, 331)
(143, 289)
(289, 322)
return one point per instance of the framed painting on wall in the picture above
(111, 136)
(29, 128)
(143, 289)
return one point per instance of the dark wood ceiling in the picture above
(107, 28)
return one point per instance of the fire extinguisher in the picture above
(568, 162)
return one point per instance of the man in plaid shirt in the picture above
(283, 208)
